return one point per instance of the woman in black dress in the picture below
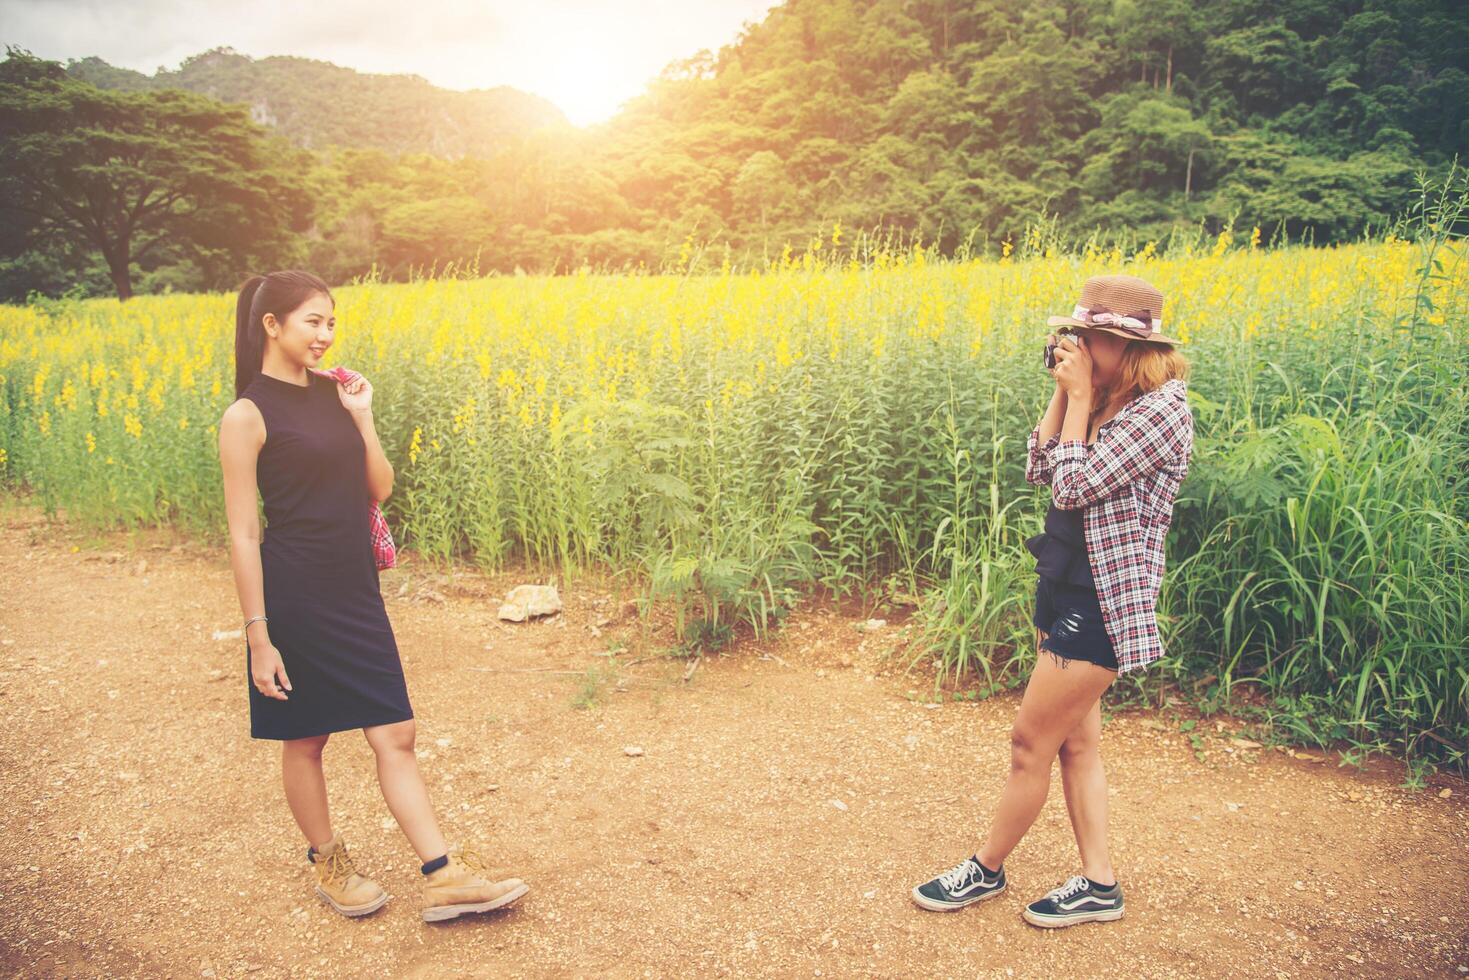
(320, 652)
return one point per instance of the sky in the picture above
(587, 57)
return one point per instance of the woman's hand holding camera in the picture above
(1073, 370)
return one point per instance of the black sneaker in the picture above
(1076, 901)
(964, 885)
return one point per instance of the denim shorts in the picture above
(1071, 615)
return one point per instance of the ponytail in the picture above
(249, 337)
(275, 292)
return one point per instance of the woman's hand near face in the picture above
(356, 395)
(1073, 370)
(1060, 391)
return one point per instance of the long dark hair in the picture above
(275, 292)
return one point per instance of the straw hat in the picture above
(1123, 305)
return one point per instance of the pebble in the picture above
(632, 750)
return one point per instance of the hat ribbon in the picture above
(1141, 324)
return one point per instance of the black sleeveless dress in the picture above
(322, 593)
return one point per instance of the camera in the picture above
(1049, 354)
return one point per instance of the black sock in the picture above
(435, 864)
(1098, 886)
(987, 872)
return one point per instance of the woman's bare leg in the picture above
(407, 797)
(306, 787)
(1056, 700)
(1085, 785)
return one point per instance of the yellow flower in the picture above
(133, 425)
(416, 445)
(91, 443)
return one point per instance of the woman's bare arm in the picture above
(1038, 443)
(379, 470)
(1050, 423)
(241, 435)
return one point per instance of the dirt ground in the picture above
(788, 796)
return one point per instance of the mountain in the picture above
(316, 104)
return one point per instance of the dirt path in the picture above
(144, 833)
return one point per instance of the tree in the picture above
(762, 189)
(144, 176)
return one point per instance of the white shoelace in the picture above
(961, 874)
(1074, 885)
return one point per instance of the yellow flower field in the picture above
(738, 437)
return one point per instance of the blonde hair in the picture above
(1144, 367)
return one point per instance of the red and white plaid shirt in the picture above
(1124, 484)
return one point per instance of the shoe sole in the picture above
(440, 913)
(924, 902)
(352, 911)
(1059, 921)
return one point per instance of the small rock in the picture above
(529, 601)
(1299, 886)
(228, 634)
(632, 750)
(839, 805)
(872, 625)
(443, 743)
(1232, 807)
(1245, 743)
(603, 622)
(1445, 793)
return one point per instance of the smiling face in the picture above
(307, 331)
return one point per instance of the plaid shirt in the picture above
(1124, 483)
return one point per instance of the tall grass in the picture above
(853, 420)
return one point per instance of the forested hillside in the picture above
(316, 104)
(950, 120)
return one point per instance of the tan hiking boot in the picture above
(462, 885)
(339, 884)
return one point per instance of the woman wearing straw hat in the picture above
(1113, 445)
